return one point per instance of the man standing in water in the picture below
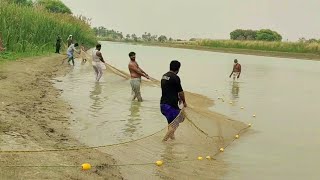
(70, 52)
(58, 44)
(97, 62)
(172, 94)
(136, 72)
(236, 71)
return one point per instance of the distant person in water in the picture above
(70, 40)
(83, 51)
(236, 71)
(98, 62)
(136, 72)
(70, 52)
(58, 44)
(172, 96)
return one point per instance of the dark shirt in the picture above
(170, 86)
(58, 41)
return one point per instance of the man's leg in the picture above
(95, 71)
(99, 72)
(69, 59)
(170, 133)
(133, 90)
(138, 91)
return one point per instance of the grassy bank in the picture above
(260, 48)
(29, 31)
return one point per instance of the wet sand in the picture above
(34, 117)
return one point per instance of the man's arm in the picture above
(182, 98)
(181, 93)
(142, 70)
(137, 70)
(76, 50)
(99, 54)
(231, 73)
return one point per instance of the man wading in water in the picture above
(172, 94)
(70, 52)
(98, 62)
(236, 71)
(136, 72)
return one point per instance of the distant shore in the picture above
(291, 55)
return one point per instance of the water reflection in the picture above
(235, 90)
(134, 119)
(97, 101)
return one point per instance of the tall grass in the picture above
(33, 29)
(292, 47)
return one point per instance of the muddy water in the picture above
(282, 93)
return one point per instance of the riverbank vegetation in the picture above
(30, 28)
(240, 40)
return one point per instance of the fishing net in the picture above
(203, 133)
(192, 155)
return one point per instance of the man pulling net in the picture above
(172, 94)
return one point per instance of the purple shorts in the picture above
(169, 112)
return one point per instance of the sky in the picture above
(213, 19)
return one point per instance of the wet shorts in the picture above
(169, 112)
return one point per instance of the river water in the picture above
(283, 142)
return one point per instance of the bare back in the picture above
(133, 68)
(237, 68)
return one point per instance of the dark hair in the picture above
(76, 44)
(235, 60)
(132, 54)
(175, 65)
(98, 46)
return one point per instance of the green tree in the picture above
(127, 37)
(134, 37)
(240, 34)
(55, 6)
(268, 35)
(162, 38)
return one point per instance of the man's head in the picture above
(235, 61)
(132, 56)
(76, 45)
(98, 47)
(175, 66)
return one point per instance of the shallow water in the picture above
(281, 92)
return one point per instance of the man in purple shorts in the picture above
(172, 94)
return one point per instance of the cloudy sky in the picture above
(203, 18)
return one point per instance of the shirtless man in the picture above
(136, 72)
(236, 71)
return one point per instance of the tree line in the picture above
(113, 35)
(258, 35)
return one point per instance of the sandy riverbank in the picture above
(33, 117)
